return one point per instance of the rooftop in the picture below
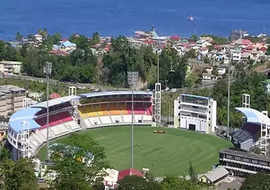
(129, 172)
(254, 116)
(111, 93)
(216, 174)
(245, 154)
(195, 96)
(55, 101)
(5, 89)
(24, 120)
(11, 62)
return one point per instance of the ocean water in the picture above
(123, 17)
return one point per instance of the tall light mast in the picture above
(48, 70)
(229, 95)
(157, 112)
(132, 81)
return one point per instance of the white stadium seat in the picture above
(105, 120)
(127, 118)
(116, 119)
(147, 118)
(138, 118)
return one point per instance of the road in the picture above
(54, 82)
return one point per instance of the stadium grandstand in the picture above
(253, 135)
(256, 126)
(196, 113)
(27, 130)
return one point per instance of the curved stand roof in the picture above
(254, 116)
(24, 120)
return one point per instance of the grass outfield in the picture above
(165, 154)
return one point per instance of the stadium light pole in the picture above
(132, 80)
(158, 93)
(48, 71)
(229, 95)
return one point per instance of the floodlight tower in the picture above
(132, 81)
(245, 100)
(229, 93)
(157, 112)
(48, 70)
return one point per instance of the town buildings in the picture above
(10, 67)
(12, 98)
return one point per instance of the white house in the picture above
(221, 70)
(10, 67)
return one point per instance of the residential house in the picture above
(10, 67)
(221, 70)
(214, 176)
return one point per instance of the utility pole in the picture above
(48, 70)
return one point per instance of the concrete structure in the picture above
(241, 163)
(257, 124)
(242, 139)
(110, 179)
(11, 99)
(27, 130)
(196, 113)
(10, 67)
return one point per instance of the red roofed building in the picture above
(129, 172)
(175, 38)
(54, 96)
(264, 49)
(64, 39)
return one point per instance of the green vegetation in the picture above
(250, 84)
(165, 154)
(138, 183)
(258, 181)
(124, 58)
(36, 86)
(75, 173)
(83, 66)
(17, 175)
(246, 82)
(169, 183)
(174, 183)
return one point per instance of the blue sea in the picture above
(123, 17)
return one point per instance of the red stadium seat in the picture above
(55, 119)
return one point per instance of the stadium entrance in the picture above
(192, 127)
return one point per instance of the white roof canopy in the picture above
(254, 116)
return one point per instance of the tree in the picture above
(268, 51)
(194, 38)
(95, 38)
(80, 40)
(18, 175)
(192, 173)
(138, 183)
(175, 183)
(172, 68)
(4, 154)
(258, 181)
(19, 37)
(43, 32)
(72, 171)
(7, 52)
